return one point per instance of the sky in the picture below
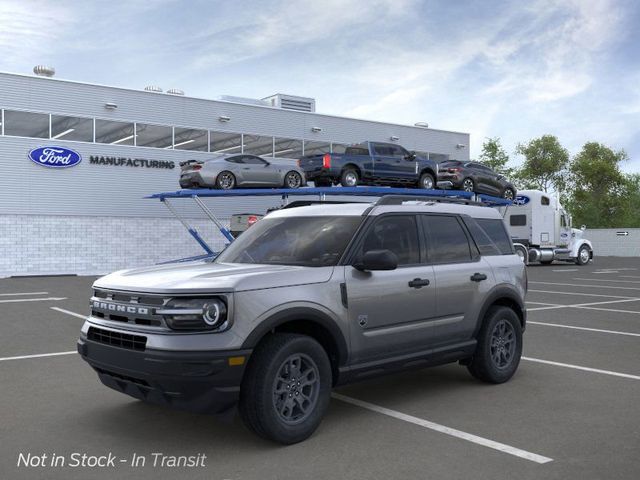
(509, 69)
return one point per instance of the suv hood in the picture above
(205, 277)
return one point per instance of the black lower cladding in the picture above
(201, 382)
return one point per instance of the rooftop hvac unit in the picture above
(153, 88)
(291, 102)
(175, 91)
(44, 71)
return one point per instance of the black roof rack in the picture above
(399, 199)
(306, 203)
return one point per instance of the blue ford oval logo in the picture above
(521, 200)
(55, 157)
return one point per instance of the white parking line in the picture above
(533, 457)
(73, 314)
(48, 299)
(586, 305)
(567, 270)
(579, 367)
(607, 280)
(541, 303)
(581, 294)
(588, 286)
(22, 357)
(598, 330)
(23, 293)
(629, 276)
(608, 309)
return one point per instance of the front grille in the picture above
(133, 308)
(117, 339)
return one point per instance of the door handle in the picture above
(418, 283)
(478, 277)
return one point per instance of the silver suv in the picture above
(310, 298)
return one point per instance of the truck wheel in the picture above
(426, 181)
(468, 185)
(292, 180)
(349, 178)
(286, 388)
(522, 252)
(225, 180)
(508, 194)
(499, 347)
(584, 255)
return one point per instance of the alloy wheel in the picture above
(467, 185)
(503, 344)
(296, 388)
(293, 180)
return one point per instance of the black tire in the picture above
(584, 255)
(225, 180)
(324, 182)
(468, 185)
(427, 181)
(348, 176)
(509, 194)
(292, 180)
(485, 364)
(258, 394)
(546, 262)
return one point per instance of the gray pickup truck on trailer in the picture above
(309, 298)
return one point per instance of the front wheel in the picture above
(426, 181)
(497, 355)
(584, 255)
(293, 180)
(225, 180)
(286, 389)
(508, 194)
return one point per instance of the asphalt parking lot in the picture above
(571, 411)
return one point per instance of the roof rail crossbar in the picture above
(306, 203)
(399, 199)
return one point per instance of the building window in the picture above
(222, 142)
(257, 145)
(71, 128)
(157, 136)
(190, 139)
(316, 148)
(26, 124)
(287, 148)
(115, 133)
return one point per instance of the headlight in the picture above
(195, 314)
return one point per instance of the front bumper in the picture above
(200, 382)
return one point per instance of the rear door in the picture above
(462, 277)
(391, 312)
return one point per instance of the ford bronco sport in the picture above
(310, 298)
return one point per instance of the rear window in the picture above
(495, 230)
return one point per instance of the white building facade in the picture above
(92, 218)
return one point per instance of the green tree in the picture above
(599, 192)
(545, 164)
(495, 157)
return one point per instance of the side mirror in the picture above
(377, 260)
(583, 228)
(411, 156)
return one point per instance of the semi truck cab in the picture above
(541, 230)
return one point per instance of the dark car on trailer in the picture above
(475, 177)
(371, 163)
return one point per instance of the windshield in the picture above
(304, 241)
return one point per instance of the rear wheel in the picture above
(584, 255)
(468, 185)
(225, 180)
(426, 181)
(286, 389)
(349, 178)
(508, 194)
(499, 347)
(293, 179)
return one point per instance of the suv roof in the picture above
(356, 209)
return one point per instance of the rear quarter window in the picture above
(494, 228)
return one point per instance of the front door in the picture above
(390, 312)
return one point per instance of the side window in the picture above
(448, 240)
(253, 160)
(518, 220)
(382, 149)
(396, 233)
(545, 201)
(238, 159)
(398, 151)
(494, 228)
(485, 245)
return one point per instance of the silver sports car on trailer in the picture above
(241, 170)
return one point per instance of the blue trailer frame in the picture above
(322, 192)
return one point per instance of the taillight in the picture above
(454, 170)
(326, 161)
(298, 162)
(196, 167)
(251, 220)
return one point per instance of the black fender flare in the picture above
(496, 294)
(300, 313)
